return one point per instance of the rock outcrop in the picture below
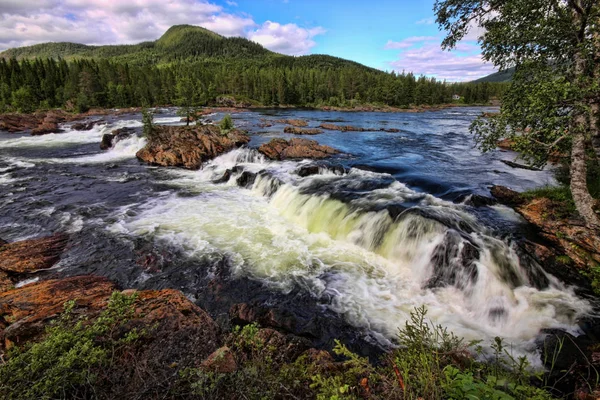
(109, 139)
(299, 123)
(50, 123)
(281, 149)
(189, 147)
(302, 131)
(19, 259)
(344, 128)
(86, 125)
(566, 235)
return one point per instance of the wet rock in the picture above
(308, 170)
(246, 179)
(225, 178)
(344, 128)
(19, 259)
(300, 123)
(513, 164)
(110, 139)
(86, 126)
(314, 169)
(50, 123)
(477, 200)
(454, 263)
(301, 131)
(189, 147)
(221, 361)
(506, 196)
(390, 130)
(107, 141)
(281, 149)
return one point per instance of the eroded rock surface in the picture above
(281, 149)
(189, 147)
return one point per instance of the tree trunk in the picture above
(595, 103)
(581, 195)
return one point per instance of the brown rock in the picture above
(300, 123)
(221, 361)
(50, 123)
(343, 128)
(506, 196)
(19, 122)
(107, 141)
(25, 312)
(281, 149)
(571, 238)
(86, 126)
(27, 256)
(301, 131)
(189, 147)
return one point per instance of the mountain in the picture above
(497, 77)
(179, 42)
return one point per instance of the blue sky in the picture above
(389, 35)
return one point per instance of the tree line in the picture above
(28, 85)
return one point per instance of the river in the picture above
(336, 254)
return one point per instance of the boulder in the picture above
(221, 361)
(178, 330)
(86, 125)
(189, 147)
(300, 131)
(107, 141)
(19, 259)
(50, 123)
(506, 144)
(281, 149)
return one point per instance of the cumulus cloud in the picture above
(27, 22)
(424, 56)
(288, 38)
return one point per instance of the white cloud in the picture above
(231, 3)
(424, 56)
(409, 42)
(426, 21)
(288, 38)
(27, 22)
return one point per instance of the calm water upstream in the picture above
(333, 252)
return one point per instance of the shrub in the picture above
(147, 122)
(226, 124)
(68, 361)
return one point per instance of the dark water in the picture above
(334, 255)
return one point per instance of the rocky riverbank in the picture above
(44, 122)
(82, 335)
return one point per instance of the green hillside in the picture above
(192, 66)
(180, 42)
(497, 77)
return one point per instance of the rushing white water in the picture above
(375, 269)
(68, 137)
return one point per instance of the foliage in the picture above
(147, 122)
(22, 100)
(551, 107)
(67, 362)
(190, 67)
(226, 124)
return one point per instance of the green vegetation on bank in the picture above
(191, 66)
(79, 358)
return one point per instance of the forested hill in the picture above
(180, 42)
(193, 66)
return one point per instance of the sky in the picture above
(398, 35)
